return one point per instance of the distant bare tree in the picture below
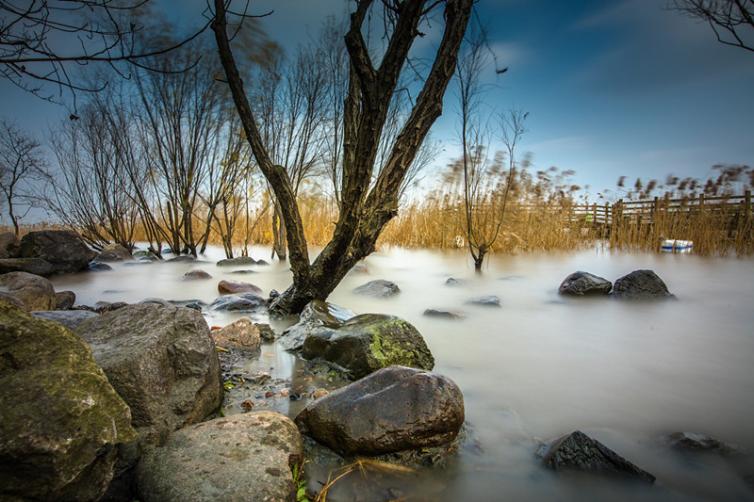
(732, 21)
(21, 164)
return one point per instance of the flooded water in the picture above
(542, 366)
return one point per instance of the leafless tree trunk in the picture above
(364, 212)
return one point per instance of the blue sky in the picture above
(615, 88)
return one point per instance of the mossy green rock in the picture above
(60, 419)
(368, 342)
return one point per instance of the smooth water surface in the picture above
(542, 366)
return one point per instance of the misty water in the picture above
(539, 367)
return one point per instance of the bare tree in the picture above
(732, 21)
(364, 211)
(21, 164)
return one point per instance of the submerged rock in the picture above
(369, 342)
(640, 285)
(64, 300)
(99, 267)
(245, 302)
(692, 441)
(242, 334)
(184, 258)
(64, 250)
(68, 318)
(60, 419)
(196, 275)
(485, 301)
(242, 457)
(239, 260)
(444, 314)
(189, 304)
(391, 410)
(316, 315)
(32, 291)
(234, 287)
(583, 284)
(379, 288)
(452, 281)
(162, 362)
(113, 252)
(579, 452)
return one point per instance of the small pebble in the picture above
(285, 392)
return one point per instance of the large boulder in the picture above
(33, 291)
(113, 252)
(244, 302)
(640, 285)
(8, 245)
(60, 419)
(243, 457)
(242, 334)
(393, 409)
(316, 315)
(239, 260)
(36, 266)
(236, 287)
(584, 284)
(68, 318)
(161, 360)
(64, 250)
(379, 288)
(579, 452)
(368, 342)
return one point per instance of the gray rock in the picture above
(99, 267)
(379, 288)
(196, 275)
(162, 362)
(393, 409)
(64, 300)
(262, 262)
(316, 314)
(485, 301)
(68, 318)
(8, 245)
(190, 304)
(266, 332)
(444, 314)
(185, 258)
(239, 260)
(64, 250)
(243, 272)
(452, 281)
(579, 452)
(36, 266)
(113, 252)
(242, 457)
(369, 342)
(692, 441)
(584, 284)
(242, 334)
(102, 307)
(640, 285)
(235, 287)
(244, 302)
(33, 291)
(60, 419)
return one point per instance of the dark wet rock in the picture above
(162, 362)
(64, 300)
(143, 253)
(242, 334)
(113, 252)
(640, 285)
(266, 332)
(579, 452)
(64, 250)
(452, 281)
(60, 419)
(190, 304)
(235, 287)
(444, 314)
(369, 342)
(245, 302)
(99, 267)
(8, 245)
(68, 318)
(34, 292)
(243, 272)
(184, 258)
(692, 441)
(237, 261)
(485, 301)
(584, 284)
(139, 262)
(262, 262)
(36, 266)
(103, 307)
(274, 294)
(379, 288)
(242, 457)
(196, 274)
(316, 315)
(393, 409)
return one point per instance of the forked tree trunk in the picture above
(363, 212)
